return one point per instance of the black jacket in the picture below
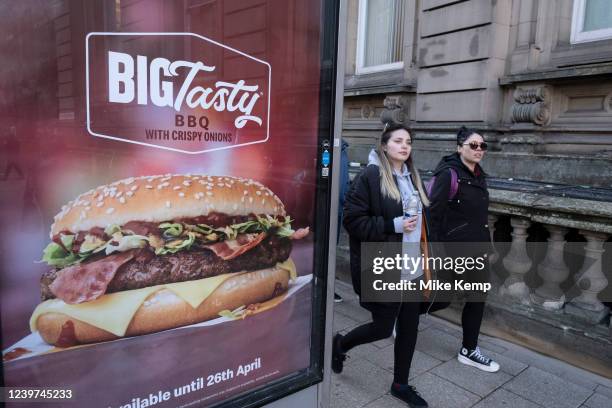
(464, 218)
(368, 217)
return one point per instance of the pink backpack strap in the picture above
(454, 187)
(429, 185)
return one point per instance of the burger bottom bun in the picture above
(164, 310)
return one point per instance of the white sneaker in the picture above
(476, 359)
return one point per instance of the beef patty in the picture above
(147, 269)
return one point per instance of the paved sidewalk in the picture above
(526, 380)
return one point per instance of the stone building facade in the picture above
(535, 78)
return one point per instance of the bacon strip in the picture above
(85, 282)
(300, 233)
(227, 250)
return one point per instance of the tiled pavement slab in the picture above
(384, 342)
(456, 331)
(438, 344)
(359, 384)
(561, 369)
(604, 390)
(598, 401)
(359, 352)
(421, 362)
(342, 322)
(547, 389)
(440, 393)
(444, 326)
(505, 399)
(386, 401)
(353, 310)
(472, 379)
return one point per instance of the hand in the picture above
(410, 223)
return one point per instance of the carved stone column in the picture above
(553, 271)
(590, 280)
(517, 262)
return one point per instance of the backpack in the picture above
(454, 187)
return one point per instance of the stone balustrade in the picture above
(557, 217)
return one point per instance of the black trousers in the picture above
(471, 319)
(381, 327)
(473, 310)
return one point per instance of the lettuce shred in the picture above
(175, 237)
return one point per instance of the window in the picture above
(591, 20)
(379, 35)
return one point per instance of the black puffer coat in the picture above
(368, 217)
(464, 218)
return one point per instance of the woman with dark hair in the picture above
(373, 212)
(459, 214)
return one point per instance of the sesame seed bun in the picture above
(164, 310)
(164, 198)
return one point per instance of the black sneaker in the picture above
(409, 395)
(338, 356)
(476, 359)
(337, 298)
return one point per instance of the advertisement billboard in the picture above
(164, 200)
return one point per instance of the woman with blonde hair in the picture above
(374, 212)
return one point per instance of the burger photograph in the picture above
(152, 253)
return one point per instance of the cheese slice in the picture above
(289, 266)
(194, 292)
(113, 312)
